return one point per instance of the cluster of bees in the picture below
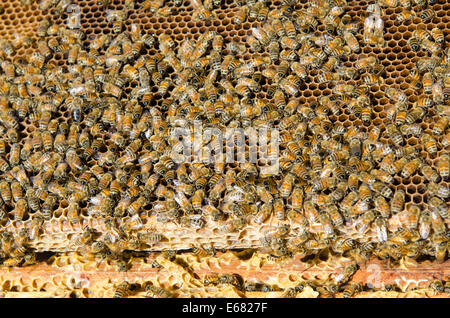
(339, 282)
(126, 289)
(412, 9)
(112, 160)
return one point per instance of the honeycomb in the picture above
(396, 56)
(72, 275)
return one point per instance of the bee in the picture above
(438, 226)
(422, 34)
(212, 279)
(6, 47)
(427, 83)
(364, 221)
(262, 37)
(437, 286)
(410, 168)
(438, 205)
(278, 28)
(16, 191)
(326, 77)
(289, 28)
(262, 13)
(150, 238)
(381, 230)
(443, 166)
(194, 221)
(343, 89)
(279, 210)
(202, 14)
(429, 173)
(197, 199)
(366, 62)
(42, 28)
(382, 189)
(437, 92)
(287, 185)
(405, 15)
(14, 154)
(216, 214)
(438, 190)
(335, 216)
(398, 201)
(241, 15)
(231, 279)
(351, 41)
(394, 135)
(4, 166)
(351, 290)
(427, 15)
(427, 64)
(372, 79)
(21, 209)
(437, 35)
(3, 148)
(424, 101)
(157, 292)
(122, 290)
(112, 89)
(400, 116)
(264, 213)
(429, 143)
(382, 175)
(412, 217)
(414, 43)
(254, 44)
(415, 114)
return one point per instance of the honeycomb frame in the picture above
(397, 58)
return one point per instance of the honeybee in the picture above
(341, 89)
(42, 28)
(157, 292)
(21, 209)
(366, 62)
(429, 173)
(241, 15)
(4, 166)
(398, 201)
(443, 166)
(150, 237)
(439, 190)
(437, 35)
(395, 135)
(202, 14)
(405, 15)
(122, 290)
(438, 205)
(427, 15)
(372, 79)
(437, 286)
(414, 43)
(437, 92)
(264, 213)
(410, 168)
(351, 41)
(382, 189)
(429, 143)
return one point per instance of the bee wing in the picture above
(381, 233)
